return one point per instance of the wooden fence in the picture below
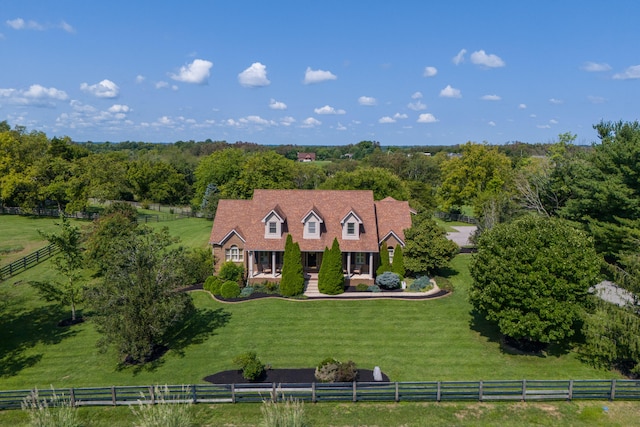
(435, 391)
(28, 261)
(142, 218)
(455, 217)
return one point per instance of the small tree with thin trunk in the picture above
(69, 263)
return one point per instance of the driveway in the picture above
(462, 235)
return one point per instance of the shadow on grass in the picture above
(195, 330)
(20, 332)
(489, 330)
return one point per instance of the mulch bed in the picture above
(302, 375)
(354, 296)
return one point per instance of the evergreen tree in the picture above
(332, 281)
(385, 265)
(398, 262)
(292, 282)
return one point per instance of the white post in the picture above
(251, 263)
(371, 265)
(349, 264)
(273, 263)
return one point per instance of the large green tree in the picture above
(292, 281)
(532, 278)
(331, 275)
(382, 182)
(139, 299)
(427, 248)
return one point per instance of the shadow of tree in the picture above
(22, 331)
(195, 330)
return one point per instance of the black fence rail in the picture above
(48, 212)
(28, 261)
(435, 391)
(455, 217)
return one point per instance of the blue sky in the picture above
(322, 73)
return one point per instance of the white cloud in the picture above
(21, 24)
(80, 107)
(317, 76)
(491, 98)
(310, 122)
(341, 126)
(66, 27)
(256, 120)
(430, 71)
(596, 99)
(416, 95)
(386, 119)
(595, 67)
(367, 100)
(400, 116)
(41, 92)
(450, 92)
(104, 89)
(140, 78)
(254, 76)
(522, 106)
(459, 58)
(491, 123)
(481, 58)
(119, 108)
(533, 116)
(161, 85)
(543, 127)
(197, 72)
(426, 118)
(553, 121)
(287, 121)
(328, 110)
(632, 72)
(556, 101)
(277, 105)
(417, 106)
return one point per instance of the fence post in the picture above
(570, 389)
(524, 390)
(274, 396)
(194, 393)
(233, 393)
(480, 391)
(72, 397)
(313, 392)
(612, 394)
(438, 393)
(355, 393)
(113, 395)
(397, 393)
(152, 395)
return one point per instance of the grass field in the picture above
(558, 414)
(409, 340)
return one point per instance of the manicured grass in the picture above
(409, 340)
(559, 414)
(193, 232)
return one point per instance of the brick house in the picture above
(306, 157)
(253, 232)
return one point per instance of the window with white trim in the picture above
(351, 229)
(360, 258)
(234, 254)
(273, 227)
(312, 227)
(390, 249)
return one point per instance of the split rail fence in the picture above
(28, 261)
(436, 391)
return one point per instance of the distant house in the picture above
(253, 232)
(306, 157)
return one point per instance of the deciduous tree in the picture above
(427, 248)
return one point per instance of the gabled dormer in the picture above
(273, 223)
(351, 224)
(311, 223)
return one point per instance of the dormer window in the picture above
(311, 225)
(351, 224)
(273, 227)
(273, 224)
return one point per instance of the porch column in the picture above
(273, 263)
(349, 264)
(371, 265)
(251, 263)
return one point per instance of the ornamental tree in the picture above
(397, 266)
(292, 282)
(532, 277)
(331, 281)
(385, 265)
(427, 247)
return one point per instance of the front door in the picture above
(312, 261)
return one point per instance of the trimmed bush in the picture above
(388, 280)
(421, 284)
(362, 287)
(292, 282)
(444, 283)
(331, 370)
(374, 288)
(252, 368)
(385, 265)
(230, 289)
(398, 262)
(245, 292)
(330, 276)
(231, 271)
(213, 284)
(347, 372)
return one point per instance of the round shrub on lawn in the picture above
(388, 280)
(362, 287)
(230, 289)
(246, 291)
(421, 284)
(373, 288)
(213, 284)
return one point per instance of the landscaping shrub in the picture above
(56, 411)
(373, 288)
(397, 266)
(164, 412)
(362, 287)
(230, 289)
(267, 288)
(330, 276)
(289, 413)
(421, 284)
(331, 370)
(198, 266)
(388, 280)
(246, 291)
(213, 284)
(252, 368)
(385, 265)
(231, 271)
(292, 282)
(444, 283)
